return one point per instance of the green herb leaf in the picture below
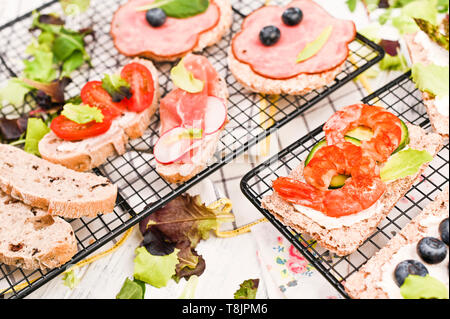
(372, 4)
(154, 270)
(418, 287)
(313, 47)
(404, 163)
(422, 9)
(351, 4)
(36, 130)
(179, 8)
(117, 87)
(72, 63)
(70, 279)
(74, 7)
(14, 92)
(66, 44)
(431, 78)
(132, 289)
(247, 290)
(82, 113)
(185, 80)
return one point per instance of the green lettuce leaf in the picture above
(41, 68)
(313, 47)
(404, 163)
(247, 290)
(132, 289)
(154, 270)
(14, 92)
(394, 63)
(179, 8)
(82, 113)
(422, 9)
(417, 287)
(70, 279)
(185, 80)
(431, 78)
(74, 7)
(36, 130)
(351, 4)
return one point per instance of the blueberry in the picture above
(269, 35)
(409, 267)
(431, 250)
(443, 230)
(156, 17)
(292, 16)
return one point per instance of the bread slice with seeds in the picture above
(344, 240)
(52, 187)
(364, 283)
(30, 238)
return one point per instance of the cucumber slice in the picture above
(361, 133)
(405, 138)
(338, 181)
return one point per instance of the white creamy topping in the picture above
(117, 125)
(338, 222)
(435, 53)
(438, 271)
(442, 104)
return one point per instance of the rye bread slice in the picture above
(178, 173)
(346, 239)
(363, 284)
(52, 187)
(205, 40)
(30, 238)
(85, 155)
(418, 54)
(298, 85)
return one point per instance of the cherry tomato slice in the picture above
(93, 94)
(72, 131)
(142, 86)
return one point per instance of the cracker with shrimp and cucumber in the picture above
(352, 179)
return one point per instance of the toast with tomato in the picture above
(193, 116)
(84, 146)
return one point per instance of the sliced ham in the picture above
(279, 61)
(133, 35)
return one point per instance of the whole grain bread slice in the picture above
(418, 54)
(52, 187)
(30, 238)
(178, 173)
(346, 239)
(363, 284)
(87, 154)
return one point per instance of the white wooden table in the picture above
(228, 261)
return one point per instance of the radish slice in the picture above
(171, 146)
(215, 115)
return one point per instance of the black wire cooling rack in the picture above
(141, 189)
(403, 99)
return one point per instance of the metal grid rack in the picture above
(404, 100)
(141, 189)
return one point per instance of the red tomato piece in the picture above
(94, 95)
(142, 86)
(72, 131)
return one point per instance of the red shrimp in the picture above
(386, 127)
(361, 190)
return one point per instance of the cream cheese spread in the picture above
(438, 271)
(338, 222)
(435, 53)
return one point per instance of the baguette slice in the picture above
(346, 239)
(92, 152)
(32, 239)
(363, 284)
(178, 173)
(52, 187)
(418, 54)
